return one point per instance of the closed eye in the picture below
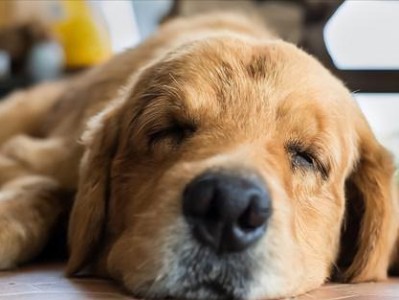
(304, 159)
(175, 133)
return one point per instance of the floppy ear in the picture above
(371, 226)
(86, 224)
(394, 270)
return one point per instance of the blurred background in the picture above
(358, 40)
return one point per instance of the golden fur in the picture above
(210, 92)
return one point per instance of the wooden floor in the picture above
(47, 282)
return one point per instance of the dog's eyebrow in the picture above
(257, 67)
(225, 72)
(159, 110)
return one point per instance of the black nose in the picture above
(226, 212)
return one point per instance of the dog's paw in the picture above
(22, 232)
(10, 243)
(18, 243)
(12, 234)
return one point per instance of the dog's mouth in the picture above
(202, 274)
(212, 290)
(208, 290)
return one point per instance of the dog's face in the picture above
(221, 173)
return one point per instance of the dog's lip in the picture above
(213, 289)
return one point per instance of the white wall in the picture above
(382, 112)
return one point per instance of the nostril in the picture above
(255, 215)
(198, 199)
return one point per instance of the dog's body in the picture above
(215, 93)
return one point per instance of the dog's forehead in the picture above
(230, 75)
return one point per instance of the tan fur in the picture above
(244, 98)
(28, 113)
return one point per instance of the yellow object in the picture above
(83, 36)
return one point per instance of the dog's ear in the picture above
(370, 226)
(87, 221)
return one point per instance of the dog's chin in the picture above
(199, 273)
(210, 290)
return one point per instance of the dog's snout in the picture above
(226, 212)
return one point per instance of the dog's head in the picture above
(232, 168)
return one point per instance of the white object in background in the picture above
(46, 61)
(122, 25)
(5, 63)
(364, 34)
(149, 13)
(382, 110)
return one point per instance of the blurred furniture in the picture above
(16, 43)
(44, 40)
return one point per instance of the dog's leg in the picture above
(23, 111)
(29, 209)
(11, 169)
(56, 157)
(32, 196)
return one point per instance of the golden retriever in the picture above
(213, 161)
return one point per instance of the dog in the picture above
(213, 161)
